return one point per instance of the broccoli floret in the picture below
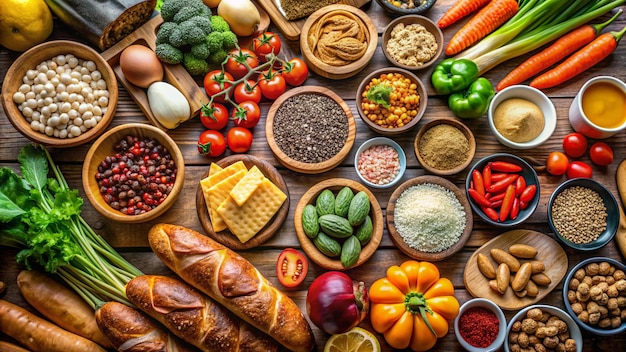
(202, 22)
(194, 65)
(164, 32)
(214, 41)
(192, 34)
(218, 57)
(176, 38)
(200, 50)
(229, 40)
(168, 54)
(219, 24)
(170, 8)
(186, 13)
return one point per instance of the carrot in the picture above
(9, 347)
(60, 305)
(480, 25)
(459, 10)
(39, 334)
(580, 61)
(562, 47)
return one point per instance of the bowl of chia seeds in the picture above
(583, 214)
(310, 129)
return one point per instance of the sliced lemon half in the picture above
(355, 340)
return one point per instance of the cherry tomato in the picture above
(247, 91)
(291, 267)
(265, 44)
(272, 84)
(295, 72)
(215, 82)
(214, 117)
(239, 139)
(601, 154)
(237, 60)
(577, 169)
(211, 143)
(247, 115)
(575, 145)
(557, 163)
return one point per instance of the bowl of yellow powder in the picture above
(444, 146)
(522, 117)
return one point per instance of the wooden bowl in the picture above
(33, 57)
(309, 197)
(226, 237)
(103, 147)
(428, 24)
(299, 166)
(337, 72)
(421, 90)
(423, 255)
(393, 10)
(461, 127)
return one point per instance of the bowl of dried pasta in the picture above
(338, 41)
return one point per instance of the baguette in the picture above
(194, 317)
(131, 331)
(232, 281)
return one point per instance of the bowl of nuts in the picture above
(545, 326)
(60, 93)
(588, 204)
(133, 173)
(592, 292)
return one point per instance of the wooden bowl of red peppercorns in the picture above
(133, 173)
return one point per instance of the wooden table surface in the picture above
(131, 239)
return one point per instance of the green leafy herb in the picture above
(380, 94)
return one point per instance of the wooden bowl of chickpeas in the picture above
(391, 100)
(60, 93)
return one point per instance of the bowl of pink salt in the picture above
(480, 326)
(380, 162)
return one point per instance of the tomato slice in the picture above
(291, 267)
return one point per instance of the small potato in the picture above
(501, 257)
(503, 277)
(537, 266)
(541, 279)
(493, 284)
(485, 266)
(523, 251)
(521, 277)
(521, 294)
(531, 289)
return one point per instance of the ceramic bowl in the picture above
(337, 71)
(533, 95)
(570, 275)
(421, 7)
(530, 176)
(335, 185)
(418, 147)
(482, 303)
(612, 210)
(421, 91)
(299, 165)
(419, 253)
(428, 24)
(380, 141)
(103, 147)
(29, 60)
(573, 329)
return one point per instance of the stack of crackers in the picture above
(240, 200)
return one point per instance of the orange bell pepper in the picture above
(412, 305)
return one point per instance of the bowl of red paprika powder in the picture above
(480, 326)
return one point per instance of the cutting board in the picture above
(291, 29)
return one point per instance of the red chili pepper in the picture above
(487, 176)
(502, 184)
(478, 198)
(505, 166)
(496, 204)
(520, 185)
(528, 193)
(497, 196)
(495, 177)
(491, 213)
(515, 208)
(523, 205)
(479, 185)
(507, 203)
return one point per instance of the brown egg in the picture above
(141, 66)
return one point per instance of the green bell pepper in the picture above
(453, 75)
(474, 101)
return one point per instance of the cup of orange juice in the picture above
(599, 109)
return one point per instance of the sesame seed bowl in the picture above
(429, 218)
(380, 162)
(593, 208)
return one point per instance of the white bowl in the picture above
(495, 309)
(538, 98)
(381, 141)
(574, 330)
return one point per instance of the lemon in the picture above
(355, 340)
(24, 23)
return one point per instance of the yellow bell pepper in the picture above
(412, 305)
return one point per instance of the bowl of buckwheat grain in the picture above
(583, 214)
